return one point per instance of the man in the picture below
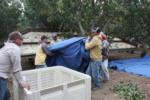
(105, 52)
(10, 62)
(41, 53)
(75, 34)
(55, 38)
(94, 46)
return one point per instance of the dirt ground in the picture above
(104, 93)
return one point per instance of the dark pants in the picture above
(4, 92)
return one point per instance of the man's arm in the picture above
(91, 44)
(15, 57)
(45, 50)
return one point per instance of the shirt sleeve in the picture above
(19, 77)
(91, 44)
(45, 50)
(105, 44)
(15, 57)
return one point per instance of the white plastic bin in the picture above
(54, 83)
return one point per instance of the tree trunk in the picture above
(93, 13)
(81, 28)
(106, 25)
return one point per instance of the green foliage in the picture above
(62, 15)
(128, 91)
(120, 18)
(131, 20)
(10, 11)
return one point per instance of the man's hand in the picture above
(25, 85)
(88, 39)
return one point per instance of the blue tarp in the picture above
(70, 53)
(138, 66)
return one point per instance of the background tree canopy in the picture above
(10, 11)
(128, 19)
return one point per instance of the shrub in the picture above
(128, 91)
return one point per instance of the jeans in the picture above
(4, 92)
(94, 71)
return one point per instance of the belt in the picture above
(1, 78)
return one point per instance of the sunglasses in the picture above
(20, 38)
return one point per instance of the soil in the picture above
(105, 92)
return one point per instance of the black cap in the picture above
(98, 30)
(95, 30)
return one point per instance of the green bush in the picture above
(128, 91)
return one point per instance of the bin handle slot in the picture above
(51, 90)
(76, 83)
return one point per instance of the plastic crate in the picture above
(54, 83)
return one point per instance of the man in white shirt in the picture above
(10, 62)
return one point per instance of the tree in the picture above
(123, 18)
(9, 14)
(64, 15)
